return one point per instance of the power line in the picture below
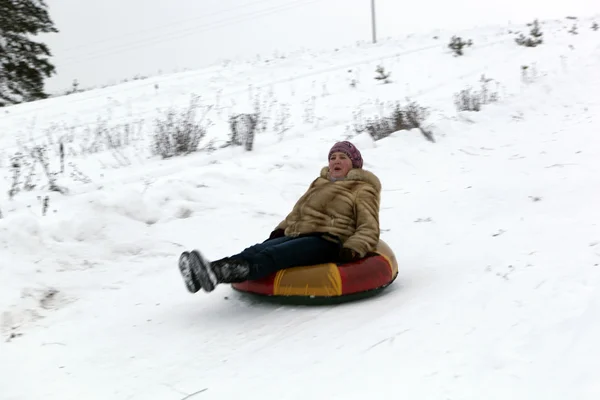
(191, 31)
(179, 22)
(194, 30)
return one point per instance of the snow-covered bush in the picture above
(535, 36)
(595, 26)
(178, 133)
(472, 100)
(457, 44)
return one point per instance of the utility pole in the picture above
(373, 25)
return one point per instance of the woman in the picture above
(336, 220)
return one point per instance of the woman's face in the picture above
(339, 165)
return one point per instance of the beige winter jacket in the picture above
(348, 209)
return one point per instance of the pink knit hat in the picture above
(350, 150)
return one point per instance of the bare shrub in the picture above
(309, 114)
(242, 128)
(415, 115)
(94, 138)
(41, 155)
(30, 164)
(176, 133)
(77, 175)
(115, 146)
(595, 26)
(45, 205)
(406, 117)
(282, 124)
(61, 154)
(468, 100)
(27, 160)
(529, 74)
(473, 100)
(16, 163)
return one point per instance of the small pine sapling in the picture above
(74, 88)
(457, 44)
(382, 74)
(573, 30)
(535, 38)
(352, 79)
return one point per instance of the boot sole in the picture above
(191, 283)
(201, 269)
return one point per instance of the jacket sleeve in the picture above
(283, 224)
(366, 236)
(292, 215)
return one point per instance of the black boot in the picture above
(200, 268)
(190, 280)
(226, 270)
(231, 270)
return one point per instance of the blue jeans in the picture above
(286, 252)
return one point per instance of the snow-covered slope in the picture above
(146, 37)
(495, 227)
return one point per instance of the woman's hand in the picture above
(347, 255)
(277, 233)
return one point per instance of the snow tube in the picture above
(328, 283)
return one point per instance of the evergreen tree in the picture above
(24, 63)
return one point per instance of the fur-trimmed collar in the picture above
(357, 174)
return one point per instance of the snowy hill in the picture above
(495, 225)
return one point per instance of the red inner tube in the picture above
(326, 280)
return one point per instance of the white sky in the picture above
(109, 40)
